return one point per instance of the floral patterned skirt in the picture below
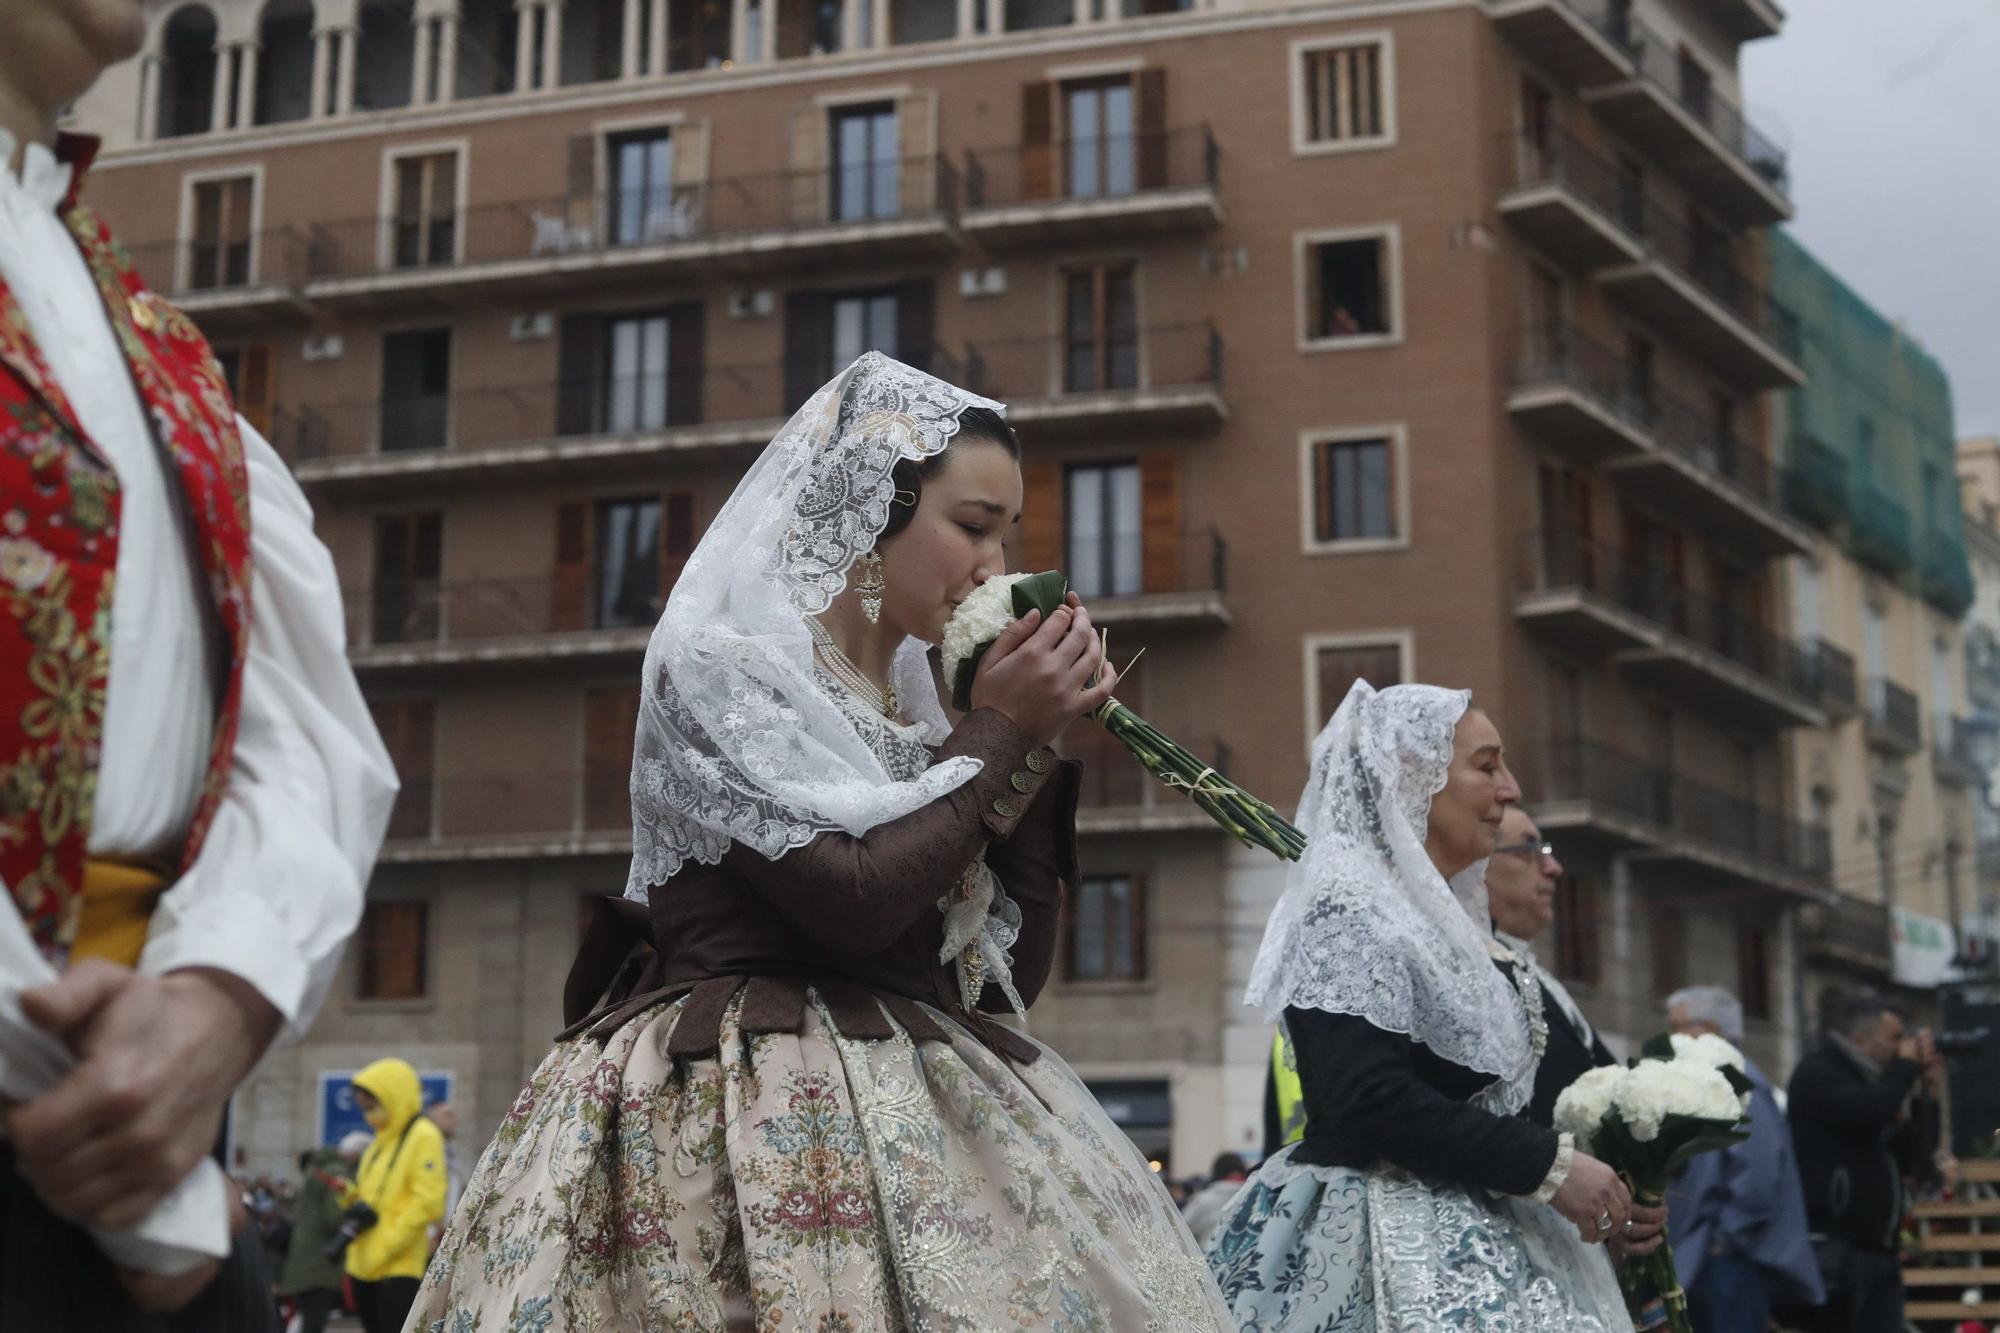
(1318, 1249)
(811, 1183)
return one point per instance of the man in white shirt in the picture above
(204, 829)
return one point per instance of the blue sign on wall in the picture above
(339, 1116)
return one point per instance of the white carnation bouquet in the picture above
(1682, 1097)
(999, 602)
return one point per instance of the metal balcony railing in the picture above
(1114, 780)
(1835, 683)
(1659, 63)
(1107, 166)
(605, 222)
(1127, 565)
(275, 256)
(1850, 928)
(1893, 713)
(431, 611)
(1578, 769)
(1706, 259)
(1561, 159)
(527, 802)
(1555, 559)
(1162, 357)
(497, 415)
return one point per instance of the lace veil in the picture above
(736, 741)
(1367, 926)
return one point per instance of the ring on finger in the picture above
(1627, 1228)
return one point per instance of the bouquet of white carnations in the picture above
(1683, 1096)
(999, 602)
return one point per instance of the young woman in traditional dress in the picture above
(793, 1097)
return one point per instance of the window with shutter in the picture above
(1099, 138)
(408, 728)
(1579, 929)
(1342, 93)
(426, 210)
(642, 205)
(1354, 490)
(628, 563)
(635, 380)
(678, 535)
(251, 377)
(862, 322)
(697, 34)
(610, 716)
(1336, 666)
(394, 953)
(1101, 335)
(219, 252)
(1106, 527)
(867, 163)
(1106, 935)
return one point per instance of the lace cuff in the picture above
(1558, 1169)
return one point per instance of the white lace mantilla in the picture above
(1367, 926)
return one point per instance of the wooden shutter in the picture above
(1038, 115)
(394, 948)
(409, 733)
(686, 325)
(808, 346)
(580, 374)
(256, 389)
(569, 593)
(1380, 664)
(1149, 90)
(916, 325)
(677, 538)
(916, 140)
(691, 172)
(583, 210)
(1160, 502)
(809, 177)
(1041, 539)
(610, 718)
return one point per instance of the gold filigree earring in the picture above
(868, 583)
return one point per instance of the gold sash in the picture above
(119, 896)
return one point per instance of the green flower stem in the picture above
(1248, 819)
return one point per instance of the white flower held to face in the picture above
(979, 620)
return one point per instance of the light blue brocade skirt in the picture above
(1314, 1249)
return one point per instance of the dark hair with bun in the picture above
(977, 423)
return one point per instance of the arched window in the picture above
(187, 73)
(385, 69)
(285, 62)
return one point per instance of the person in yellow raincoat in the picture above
(402, 1180)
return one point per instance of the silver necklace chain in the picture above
(842, 668)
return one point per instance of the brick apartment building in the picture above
(1414, 339)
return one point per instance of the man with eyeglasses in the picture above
(1521, 882)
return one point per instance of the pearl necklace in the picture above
(880, 698)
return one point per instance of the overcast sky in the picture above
(1891, 110)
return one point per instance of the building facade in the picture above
(1873, 470)
(1409, 339)
(1979, 488)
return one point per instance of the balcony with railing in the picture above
(1690, 287)
(398, 626)
(1982, 668)
(1117, 795)
(231, 285)
(1894, 722)
(1880, 535)
(1745, 20)
(1816, 483)
(738, 226)
(1595, 600)
(504, 433)
(1581, 42)
(1849, 932)
(1632, 803)
(1584, 401)
(1956, 744)
(523, 811)
(1671, 108)
(1573, 203)
(1167, 378)
(1105, 187)
(1835, 684)
(1154, 581)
